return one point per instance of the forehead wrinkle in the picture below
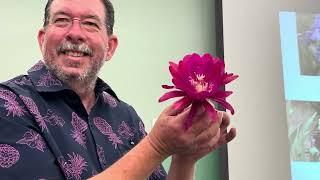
(92, 10)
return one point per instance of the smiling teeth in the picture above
(74, 54)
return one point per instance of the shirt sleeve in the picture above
(22, 147)
(159, 173)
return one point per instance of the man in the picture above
(62, 122)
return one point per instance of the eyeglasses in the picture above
(86, 24)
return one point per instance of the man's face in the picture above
(75, 43)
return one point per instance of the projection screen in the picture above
(274, 47)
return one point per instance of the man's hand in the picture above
(187, 147)
(169, 137)
(208, 142)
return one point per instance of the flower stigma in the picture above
(199, 83)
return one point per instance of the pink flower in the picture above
(199, 81)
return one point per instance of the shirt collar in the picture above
(45, 81)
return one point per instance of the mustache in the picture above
(77, 47)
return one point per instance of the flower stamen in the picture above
(199, 83)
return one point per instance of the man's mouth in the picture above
(74, 53)
(74, 50)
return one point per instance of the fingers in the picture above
(211, 144)
(231, 135)
(203, 122)
(181, 118)
(211, 131)
(177, 107)
(225, 121)
(172, 110)
(227, 136)
(200, 111)
(216, 141)
(207, 135)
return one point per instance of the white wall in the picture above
(252, 50)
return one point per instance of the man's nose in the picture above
(75, 32)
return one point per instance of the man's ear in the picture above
(41, 35)
(112, 46)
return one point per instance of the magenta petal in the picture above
(167, 86)
(189, 65)
(207, 57)
(229, 77)
(173, 68)
(225, 104)
(182, 103)
(189, 120)
(222, 94)
(171, 94)
(178, 79)
(211, 110)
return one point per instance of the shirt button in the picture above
(131, 142)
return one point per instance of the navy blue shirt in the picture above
(46, 133)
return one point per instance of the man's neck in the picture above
(86, 94)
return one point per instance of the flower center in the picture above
(199, 83)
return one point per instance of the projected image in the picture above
(301, 75)
(304, 130)
(308, 30)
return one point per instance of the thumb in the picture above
(177, 107)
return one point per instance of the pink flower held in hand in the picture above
(198, 80)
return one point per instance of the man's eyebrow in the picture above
(61, 13)
(89, 16)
